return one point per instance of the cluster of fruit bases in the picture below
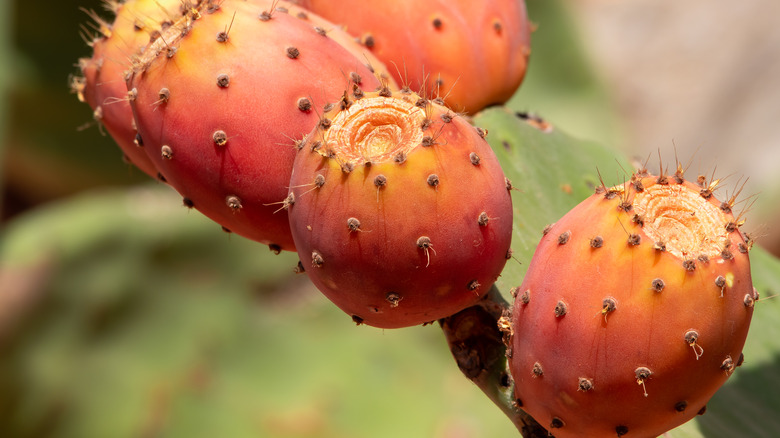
(338, 130)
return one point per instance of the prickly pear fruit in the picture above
(102, 84)
(634, 310)
(473, 52)
(219, 98)
(399, 209)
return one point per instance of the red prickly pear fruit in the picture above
(399, 209)
(474, 53)
(222, 95)
(634, 310)
(102, 84)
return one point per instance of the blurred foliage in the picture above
(145, 320)
(5, 78)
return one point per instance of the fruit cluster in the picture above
(339, 130)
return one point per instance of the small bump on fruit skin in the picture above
(196, 93)
(652, 303)
(434, 241)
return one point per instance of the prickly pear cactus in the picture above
(634, 309)
(220, 98)
(102, 80)
(473, 53)
(399, 209)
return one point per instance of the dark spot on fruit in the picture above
(537, 370)
(368, 41)
(276, 249)
(621, 430)
(433, 180)
(304, 104)
(355, 78)
(702, 411)
(680, 406)
(223, 81)
(161, 177)
(187, 202)
(658, 285)
(659, 246)
(689, 265)
(325, 123)
(473, 285)
(638, 186)
(625, 206)
(749, 301)
(547, 229)
(424, 242)
(357, 92)
(639, 220)
(726, 254)
(560, 309)
(703, 258)
(720, 281)
(380, 181)
(292, 52)
(509, 253)
(525, 297)
(357, 320)
(166, 152)
(233, 202)
(164, 95)
(220, 138)
(316, 259)
(497, 27)
(226, 229)
(320, 31)
(483, 219)
(446, 117)
(353, 224)
(474, 158)
(504, 380)
(731, 226)
(608, 305)
(299, 269)
(508, 183)
(743, 248)
(585, 384)
(264, 16)
(740, 359)
(384, 91)
(597, 242)
(138, 141)
(222, 37)
(437, 23)
(482, 132)
(556, 423)
(319, 181)
(518, 403)
(634, 239)
(564, 237)
(727, 365)
(393, 298)
(427, 141)
(400, 157)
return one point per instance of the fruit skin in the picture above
(219, 106)
(578, 367)
(479, 49)
(102, 83)
(414, 226)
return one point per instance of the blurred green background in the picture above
(122, 314)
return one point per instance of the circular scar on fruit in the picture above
(688, 224)
(375, 129)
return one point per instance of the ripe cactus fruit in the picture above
(473, 52)
(102, 84)
(634, 310)
(219, 98)
(399, 209)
